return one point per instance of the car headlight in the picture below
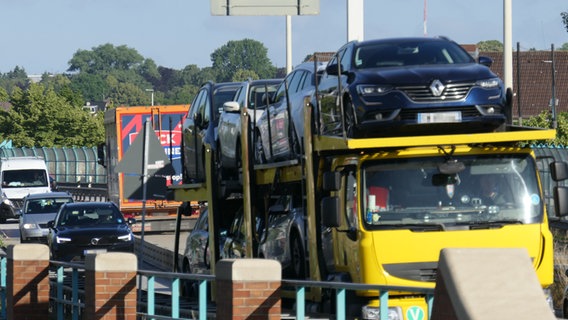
(126, 237)
(373, 89)
(59, 239)
(30, 225)
(7, 202)
(394, 313)
(488, 83)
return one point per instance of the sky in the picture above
(42, 35)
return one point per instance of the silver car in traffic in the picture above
(37, 210)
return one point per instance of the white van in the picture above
(20, 176)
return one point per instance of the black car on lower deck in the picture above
(88, 227)
(411, 85)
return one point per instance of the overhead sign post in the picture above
(264, 7)
(268, 8)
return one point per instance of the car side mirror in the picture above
(332, 69)
(51, 224)
(486, 61)
(198, 120)
(231, 106)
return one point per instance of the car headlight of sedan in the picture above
(7, 202)
(489, 83)
(29, 226)
(126, 237)
(59, 239)
(373, 89)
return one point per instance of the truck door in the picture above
(346, 250)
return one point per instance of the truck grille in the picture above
(420, 271)
(18, 203)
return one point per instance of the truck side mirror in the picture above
(101, 154)
(331, 181)
(558, 170)
(560, 201)
(330, 212)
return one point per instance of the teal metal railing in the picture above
(67, 294)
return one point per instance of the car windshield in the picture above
(222, 95)
(79, 216)
(260, 94)
(466, 191)
(409, 53)
(46, 205)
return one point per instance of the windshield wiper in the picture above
(422, 227)
(491, 224)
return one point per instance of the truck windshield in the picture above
(24, 178)
(476, 192)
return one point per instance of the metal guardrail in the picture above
(69, 291)
(3, 268)
(155, 305)
(85, 192)
(67, 294)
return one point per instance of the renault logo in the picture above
(437, 88)
(95, 241)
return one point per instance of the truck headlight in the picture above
(368, 312)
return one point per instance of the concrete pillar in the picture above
(110, 286)
(488, 284)
(27, 287)
(248, 289)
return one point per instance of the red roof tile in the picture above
(532, 80)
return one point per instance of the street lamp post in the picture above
(152, 94)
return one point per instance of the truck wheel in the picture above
(298, 258)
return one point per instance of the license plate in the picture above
(439, 117)
(93, 251)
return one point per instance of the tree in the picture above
(490, 46)
(243, 75)
(544, 120)
(105, 58)
(14, 78)
(245, 54)
(61, 123)
(564, 16)
(564, 47)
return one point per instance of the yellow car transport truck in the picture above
(379, 210)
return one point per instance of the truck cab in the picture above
(19, 177)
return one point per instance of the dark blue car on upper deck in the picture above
(404, 86)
